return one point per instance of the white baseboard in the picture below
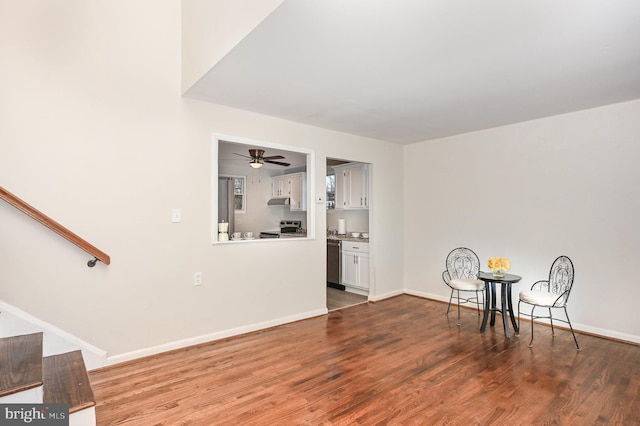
(576, 326)
(116, 359)
(379, 297)
(92, 355)
(355, 290)
(602, 332)
(426, 295)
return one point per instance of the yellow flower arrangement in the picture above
(499, 264)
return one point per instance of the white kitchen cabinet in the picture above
(292, 186)
(279, 186)
(352, 186)
(339, 190)
(298, 191)
(355, 265)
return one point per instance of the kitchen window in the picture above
(331, 191)
(239, 185)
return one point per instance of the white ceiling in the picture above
(412, 70)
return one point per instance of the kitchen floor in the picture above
(337, 299)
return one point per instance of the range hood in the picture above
(279, 202)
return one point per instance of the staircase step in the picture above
(21, 363)
(66, 381)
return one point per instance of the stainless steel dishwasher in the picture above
(334, 270)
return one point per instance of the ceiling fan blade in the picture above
(241, 155)
(277, 162)
(274, 157)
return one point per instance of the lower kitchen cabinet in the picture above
(355, 265)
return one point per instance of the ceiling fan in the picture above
(257, 158)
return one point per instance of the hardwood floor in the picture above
(338, 299)
(398, 361)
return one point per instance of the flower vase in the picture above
(500, 273)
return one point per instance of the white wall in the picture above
(94, 133)
(531, 192)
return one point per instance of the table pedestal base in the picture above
(506, 304)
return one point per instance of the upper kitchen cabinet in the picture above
(352, 186)
(292, 186)
(298, 192)
(279, 187)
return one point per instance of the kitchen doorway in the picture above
(348, 200)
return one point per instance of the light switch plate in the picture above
(176, 216)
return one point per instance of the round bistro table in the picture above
(506, 308)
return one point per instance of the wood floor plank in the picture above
(398, 361)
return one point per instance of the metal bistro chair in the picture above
(461, 274)
(551, 294)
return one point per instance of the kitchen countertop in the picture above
(294, 235)
(346, 238)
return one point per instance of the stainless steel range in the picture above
(286, 227)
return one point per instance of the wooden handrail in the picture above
(55, 227)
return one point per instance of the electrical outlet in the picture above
(197, 278)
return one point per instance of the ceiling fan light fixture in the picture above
(255, 163)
